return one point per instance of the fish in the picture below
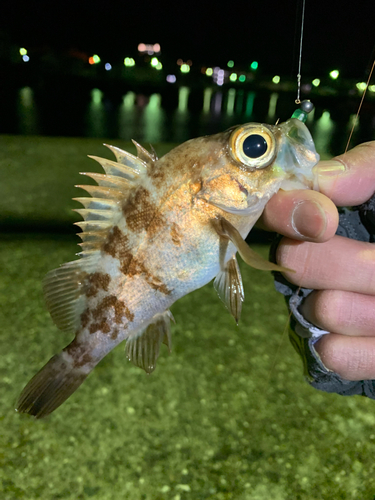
(155, 229)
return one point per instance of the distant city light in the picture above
(149, 48)
(171, 78)
(361, 86)
(108, 66)
(242, 78)
(129, 62)
(334, 74)
(184, 68)
(276, 79)
(209, 71)
(154, 62)
(159, 65)
(372, 88)
(219, 76)
(233, 77)
(95, 59)
(316, 82)
(230, 64)
(180, 61)
(254, 65)
(96, 96)
(23, 52)
(26, 58)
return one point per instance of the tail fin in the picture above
(50, 387)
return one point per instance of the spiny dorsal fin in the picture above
(154, 155)
(144, 155)
(228, 284)
(143, 351)
(128, 160)
(64, 287)
(104, 193)
(63, 290)
(102, 211)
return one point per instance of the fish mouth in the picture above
(296, 154)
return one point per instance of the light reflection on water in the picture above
(144, 118)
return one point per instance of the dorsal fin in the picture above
(154, 155)
(124, 158)
(120, 170)
(144, 155)
(64, 288)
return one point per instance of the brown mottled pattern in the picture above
(79, 354)
(176, 234)
(114, 334)
(112, 302)
(96, 282)
(138, 268)
(157, 175)
(141, 214)
(85, 318)
(101, 326)
(96, 320)
(117, 243)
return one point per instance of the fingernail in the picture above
(309, 219)
(326, 173)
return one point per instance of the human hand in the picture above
(340, 270)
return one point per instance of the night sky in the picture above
(336, 36)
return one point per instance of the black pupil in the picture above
(254, 146)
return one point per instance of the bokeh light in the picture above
(334, 74)
(129, 62)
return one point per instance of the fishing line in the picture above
(360, 106)
(298, 100)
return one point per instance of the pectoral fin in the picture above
(224, 228)
(228, 284)
(143, 351)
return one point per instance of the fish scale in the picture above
(154, 230)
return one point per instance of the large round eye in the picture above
(254, 145)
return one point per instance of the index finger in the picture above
(348, 179)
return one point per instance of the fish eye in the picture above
(253, 145)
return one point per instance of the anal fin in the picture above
(143, 350)
(228, 284)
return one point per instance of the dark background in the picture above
(337, 34)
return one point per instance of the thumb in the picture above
(348, 179)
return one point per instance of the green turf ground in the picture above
(226, 416)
